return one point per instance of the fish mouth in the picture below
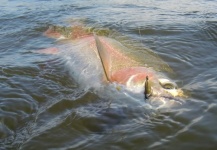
(168, 96)
(165, 102)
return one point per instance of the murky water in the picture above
(42, 106)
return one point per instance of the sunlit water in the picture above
(42, 106)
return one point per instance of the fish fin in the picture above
(104, 57)
(51, 50)
(52, 32)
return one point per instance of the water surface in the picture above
(42, 106)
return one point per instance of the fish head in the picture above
(168, 88)
(135, 81)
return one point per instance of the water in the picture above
(43, 107)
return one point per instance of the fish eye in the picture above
(169, 86)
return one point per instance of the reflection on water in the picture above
(42, 106)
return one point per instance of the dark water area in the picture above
(43, 107)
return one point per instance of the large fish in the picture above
(95, 59)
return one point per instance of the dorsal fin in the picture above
(104, 57)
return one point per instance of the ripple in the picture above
(14, 112)
(41, 105)
(209, 31)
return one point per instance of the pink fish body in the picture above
(83, 57)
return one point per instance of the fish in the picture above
(95, 59)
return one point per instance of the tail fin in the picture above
(52, 32)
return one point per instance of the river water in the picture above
(42, 106)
